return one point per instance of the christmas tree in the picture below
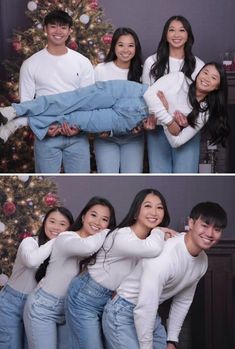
(91, 37)
(24, 200)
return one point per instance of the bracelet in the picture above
(174, 343)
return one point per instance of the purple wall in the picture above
(212, 22)
(181, 193)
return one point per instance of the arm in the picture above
(178, 311)
(187, 133)
(151, 285)
(127, 244)
(33, 255)
(82, 247)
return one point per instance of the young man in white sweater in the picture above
(131, 318)
(55, 69)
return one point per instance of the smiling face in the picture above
(94, 220)
(208, 80)
(57, 34)
(124, 50)
(55, 224)
(201, 236)
(150, 215)
(177, 35)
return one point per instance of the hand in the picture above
(104, 134)
(53, 130)
(173, 128)
(69, 131)
(150, 122)
(180, 118)
(169, 233)
(137, 129)
(163, 99)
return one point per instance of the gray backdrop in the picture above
(212, 22)
(181, 193)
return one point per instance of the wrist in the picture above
(170, 123)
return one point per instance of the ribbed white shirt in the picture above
(120, 253)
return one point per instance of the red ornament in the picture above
(50, 199)
(73, 45)
(93, 4)
(9, 208)
(25, 235)
(107, 38)
(16, 45)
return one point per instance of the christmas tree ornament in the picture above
(2, 227)
(9, 208)
(50, 199)
(32, 6)
(84, 19)
(23, 178)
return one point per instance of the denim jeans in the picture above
(73, 152)
(44, 321)
(84, 307)
(124, 154)
(165, 159)
(119, 328)
(12, 334)
(116, 105)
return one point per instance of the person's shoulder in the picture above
(78, 56)
(150, 59)
(36, 56)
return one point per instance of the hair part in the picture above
(135, 69)
(211, 213)
(161, 66)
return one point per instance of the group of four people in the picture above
(178, 93)
(94, 283)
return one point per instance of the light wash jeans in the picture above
(119, 328)
(116, 105)
(12, 334)
(71, 152)
(124, 154)
(165, 159)
(84, 307)
(44, 321)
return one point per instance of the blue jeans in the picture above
(44, 321)
(119, 328)
(124, 154)
(116, 105)
(84, 307)
(165, 159)
(73, 152)
(12, 334)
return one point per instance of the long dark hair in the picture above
(215, 105)
(96, 200)
(135, 69)
(42, 238)
(161, 66)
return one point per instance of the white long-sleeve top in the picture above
(175, 65)
(110, 71)
(120, 253)
(28, 258)
(67, 252)
(175, 86)
(45, 74)
(174, 273)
